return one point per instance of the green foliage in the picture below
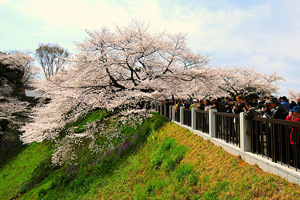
(80, 124)
(167, 155)
(11, 147)
(212, 193)
(16, 175)
(56, 183)
(183, 171)
(41, 172)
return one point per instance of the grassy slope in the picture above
(18, 170)
(206, 172)
(220, 175)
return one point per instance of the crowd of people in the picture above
(268, 107)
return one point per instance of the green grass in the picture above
(164, 162)
(16, 173)
(42, 180)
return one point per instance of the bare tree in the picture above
(51, 57)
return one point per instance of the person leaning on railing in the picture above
(229, 106)
(294, 140)
(274, 109)
(195, 104)
(250, 112)
(207, 105)
(240, 105)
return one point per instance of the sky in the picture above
(263, 34)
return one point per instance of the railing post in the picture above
(172, 111)
(165, 110)
(245, 140)
(161, 110)
(212, 123)
(181, 115)
(193, 118)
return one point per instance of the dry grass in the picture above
(216, 165)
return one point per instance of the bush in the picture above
(183, 171)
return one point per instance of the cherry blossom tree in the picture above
(118, 71)
(293, 95)
(16, 70)
(246, 82)
(115, 70)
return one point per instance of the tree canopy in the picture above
(51, 57)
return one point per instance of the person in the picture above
(294, 139)
(229, 106)
(298, 101)
(207, 104)
(221, 105)
(216, 105)
(178, 105)
(250, 112)
(260, 99)
(195, 104)
(274, 109)
(187, 104)
(292, 105)
(240, 105)
(201, 105)
(284, 102)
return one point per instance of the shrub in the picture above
(182, 171)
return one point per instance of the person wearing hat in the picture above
(195, 104)
(274, 109)
(294, 140)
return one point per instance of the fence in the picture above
(261, 141)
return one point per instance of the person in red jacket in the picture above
(294, 140)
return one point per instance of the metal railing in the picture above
(268, 137)
(202, 121)
(187, 117)
(167, 112)
(271, 138)
(228, 127)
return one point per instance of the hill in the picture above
(158, 160)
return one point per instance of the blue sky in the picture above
(251, 33)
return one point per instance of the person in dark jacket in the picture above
(188, 104)
(250, 112)
(275, 110)
(229, 106)
(201, 105)
(240, 105)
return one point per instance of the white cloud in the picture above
(3, 2)
(264, 35)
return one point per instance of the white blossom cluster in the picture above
(21, 64)
(64, 148)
